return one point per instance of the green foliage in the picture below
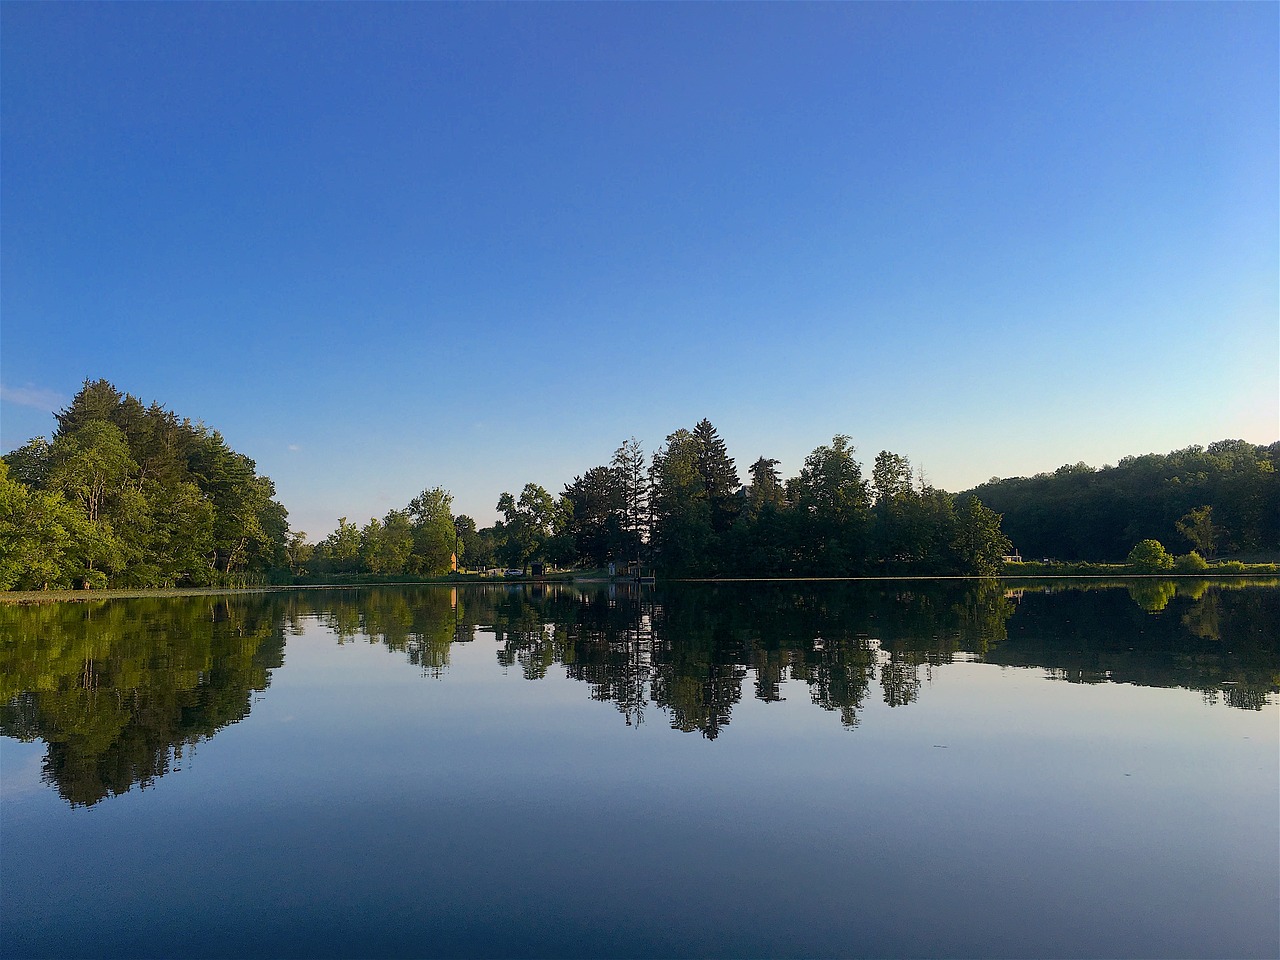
(479, 547)
(298, 553)
(531, 526)
(339, 553)
(92, 466)
(605, 511)
(38, 530)
(417, 541)
(719, 475)
(1218, 498)
(598, 515)
(684, 538)
(832, 504)
(978, 543)
(29, 463)
(435, 538)
(385, 548)
(1150, 556)
(1198, 528)
(1190, 563)
(153, 501)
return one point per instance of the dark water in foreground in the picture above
(892, 769)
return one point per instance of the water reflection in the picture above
(121, 691)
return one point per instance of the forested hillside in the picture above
(130, 495)
(1221, 499)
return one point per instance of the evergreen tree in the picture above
(629, 463)
(719, 475)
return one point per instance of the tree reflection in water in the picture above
(122, 691)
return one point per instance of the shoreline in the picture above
(33, 597)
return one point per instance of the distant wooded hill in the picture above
(1218, 500)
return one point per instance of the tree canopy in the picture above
(129, 495)
(1221, 498)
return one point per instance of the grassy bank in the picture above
(1092, 572)
(1225, 568)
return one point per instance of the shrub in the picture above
(1190, 563)
(1150, 556)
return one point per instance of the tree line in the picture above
(1217, 500)
(130, 495)
(686, 511)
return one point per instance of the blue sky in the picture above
(386, 247)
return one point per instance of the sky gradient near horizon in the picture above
(384, 247)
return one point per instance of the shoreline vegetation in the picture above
(130, 497)
(1254, 575)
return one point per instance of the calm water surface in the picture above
(893, 769)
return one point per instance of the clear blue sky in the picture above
(385, 247)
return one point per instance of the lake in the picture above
(887, 769)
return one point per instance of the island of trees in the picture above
(130, 495)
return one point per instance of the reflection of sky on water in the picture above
(366, 808)
(20, 769)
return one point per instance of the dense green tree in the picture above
(340, 551)
(371, 548)
(38, 530)
(832, 508)
(561, 549)
(97, 401)
(893, 541)
(29, 464)
(978, 542)
(164, 502)
(1190, 563)
(759, 542)
(530, 524)
(434, 535)
(890, 478)
(1150, 556)
(250, 528)
(684, 538)
(91, 466)
(179, 534)
(478, 546)
(464, 535)
(386, 546)
(597, 518)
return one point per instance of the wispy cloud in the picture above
(294, 448)
(37, 397)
